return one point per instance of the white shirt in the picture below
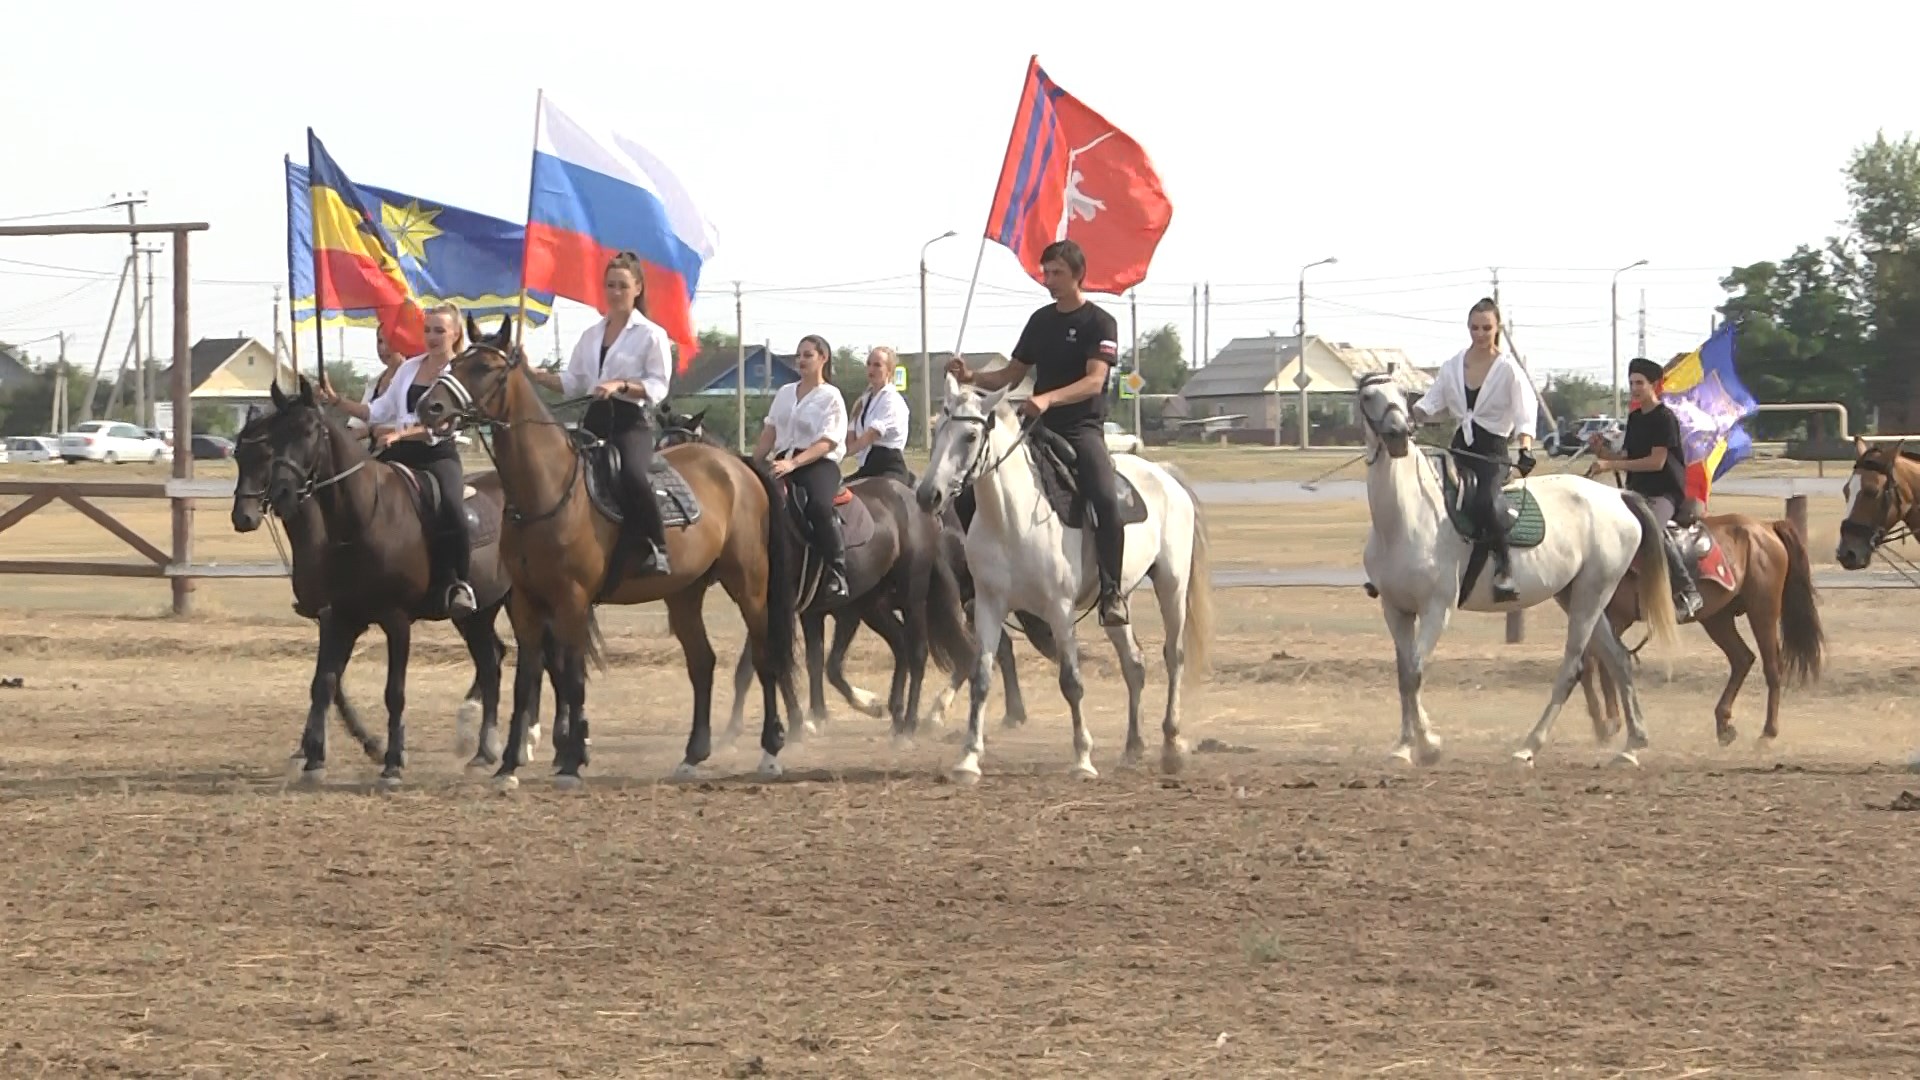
(883, 411)
(366, 398)
(1506, 406)
(390, 409)
(640, 355)
(799, 422)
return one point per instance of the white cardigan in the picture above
(1506, 406)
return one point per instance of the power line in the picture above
(56, 213)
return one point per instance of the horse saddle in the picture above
(679, 507)
(1054, 459)
(1694, 541)
(426, 497)
(1514, 507)
(856, 521)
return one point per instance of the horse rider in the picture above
(1071, 345)
(623, 362)
(879, 422)
(1655, 465)
(403, 440)
(1486, 391)
(806, 434)
(357, 411)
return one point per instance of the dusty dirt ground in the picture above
(1292, 906)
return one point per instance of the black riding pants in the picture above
(627, 428)
(1093, 471)
(884, 461)
(1487, 460)
(821, 479)
(451, 546)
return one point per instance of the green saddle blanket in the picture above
(1526, 527)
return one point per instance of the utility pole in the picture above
(1642, 349)
(1206, 324)
(148, 387)
(1133, 317)
(739, 369)
(1193, 343)
(57, 423)
(93, 381)
(131, 202)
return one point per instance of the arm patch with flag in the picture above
(1070, 175)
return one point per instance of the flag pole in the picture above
(1033, 61)
(319, 324)
(526, 238)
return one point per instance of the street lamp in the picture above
(926, 356)
(1615, 326)
(1300, 377)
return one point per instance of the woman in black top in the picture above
(403, 440)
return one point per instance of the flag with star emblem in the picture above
(446, 253)
(354, 260)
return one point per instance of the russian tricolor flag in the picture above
(596, 193)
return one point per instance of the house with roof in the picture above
(715, 371)
(235, 371)
(1255, 378)
(14, 371)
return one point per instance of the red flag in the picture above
(1070, 175)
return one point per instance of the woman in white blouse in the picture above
(879, 422)
(806, 434)
(623, 361)
(399, 437)
(1486, 391)
(358, 411)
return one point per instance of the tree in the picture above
(1161, 361)
(1570, 397)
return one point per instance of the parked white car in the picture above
(30, 449)
(1119, 441)
(110, 441)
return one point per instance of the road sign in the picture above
(900, 379)
(1135, 382)
(1301, 379)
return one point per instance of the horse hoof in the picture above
(1402, 753)
(1727, 735)
(1763, 745)
(478, 763)
(902, 743)
(1133, 754)
(505, 784)
(684, 772)
(374, 751)
(313, 777)
(1013, 720)
(770, 768)
(388, 782)
(568, 782)
(1085, 771)
(1173, 757)
(966, 774)
(1428, 754)
(1523, 757)
(869, 704)
(1628, 758)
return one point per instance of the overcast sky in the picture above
(1421, 145)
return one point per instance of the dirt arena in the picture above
(1289, 905)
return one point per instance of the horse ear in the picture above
(695, 420)
(1894, 454)
(306, 392)
(1859, 447)
(473, 329)
(994, 399)
(954, 388)
(280, 396)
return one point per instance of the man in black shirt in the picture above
(1070, 345)
(1655, 465)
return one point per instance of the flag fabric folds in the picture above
(1707, 398)
(1070, 175)
(447, 254)
(354, 264)
(597, 192)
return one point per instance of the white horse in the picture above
(1416, 558)
(1023, 557)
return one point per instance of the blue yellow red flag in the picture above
(1705, 393)
(354, 260)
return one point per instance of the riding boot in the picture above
(1687, 603)
(833, 578)
(1503, 587)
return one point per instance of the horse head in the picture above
(1383, 412)
(297, 449)
(475, 381)
(677, 428)
(962, 438)
(251, 458)
(1877, 501)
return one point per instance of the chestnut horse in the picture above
(556, 545)
(1771, 584)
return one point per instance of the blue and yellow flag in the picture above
(444, 253)
(1706, 396)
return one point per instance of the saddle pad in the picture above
(1712, 565)
(1052, 460)
(856, 521)
(678, 506)
(481, 529)
(1526, 525)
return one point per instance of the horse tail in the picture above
(948, 636)
(1199, 623)
(1802, 641)
(1655, 587)
(783, 579)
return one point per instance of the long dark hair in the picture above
(628, 261)
(1488, 304)
(826, 350)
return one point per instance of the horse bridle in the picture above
(480, 414)
(1878, 534)
(1373, 425)
(976, 471)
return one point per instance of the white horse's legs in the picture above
(990, 614)
(1414, 639)
(1073, 689)
(1619, 665)
(1133, 668)
(1583, 613)
(1170, 587)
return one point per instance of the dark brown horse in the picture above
(376, 569)
(1755, 568)
(556, 543)
(1883, 502)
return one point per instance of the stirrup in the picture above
(460, 600)
(1113, 610)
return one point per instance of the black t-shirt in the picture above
(1057, 345)
(1646, 429)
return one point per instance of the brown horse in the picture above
(1883, 502)
(1754, 568)
(556, 544)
